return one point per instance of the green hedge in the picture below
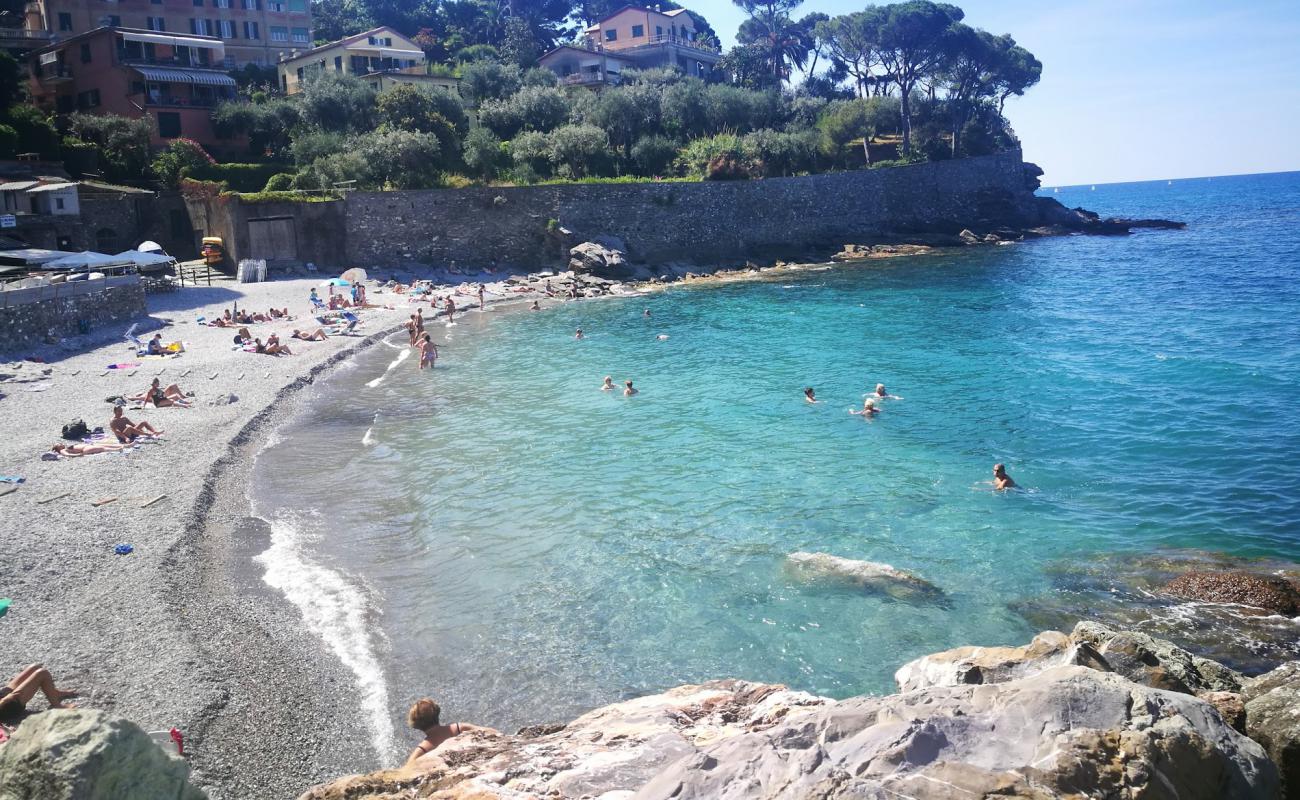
(240, 177)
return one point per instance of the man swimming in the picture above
(868, 409)
(810, 395)
(608, 385)
(578, 335)
(628, 391)
(884, 395)
(1001, 480)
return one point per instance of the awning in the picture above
(201, 77)
(172, 40)
(399, 53)
(18, 186)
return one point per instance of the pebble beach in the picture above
(180, 632)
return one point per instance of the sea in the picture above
(502, 535)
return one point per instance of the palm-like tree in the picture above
(786, 41)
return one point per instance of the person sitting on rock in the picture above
(423, 717)
(15, 696)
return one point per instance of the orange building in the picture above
(165, 78)
(634, 37)
(253, 31)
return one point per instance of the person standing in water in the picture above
(428, 351)
(450, 306)
(481, 290)
(810, 395)
(628, 391)
(1001, 480)
(608, 385)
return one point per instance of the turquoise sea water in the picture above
(506, 537)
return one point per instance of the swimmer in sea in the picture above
(646, 314)
(578, 335)
(884, 395)
(1001, 480)
(628, 391)
(608, 384)
(537, 306)
(810, 395)
(868, 409)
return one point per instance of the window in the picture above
(298, 6)
(198, 3)
(156, 2)
(279, 33)
(300, 36)
(169, 125)
(300, 75)
(157, 24)
(251, 5)
(201, 27)
(226, 28)
(274, 5)
(58, 203)
(659, 31)
(221, 3)
(611, 36)
(85, 53)
(250, 31)
(65, 21)
(88, 99)
(638, 31)
(338, 63)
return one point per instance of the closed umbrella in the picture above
(356, 275)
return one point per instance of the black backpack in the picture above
(75, 430)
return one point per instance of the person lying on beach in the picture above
(74, 450)
(1001, 480)
(868, 409)
(160, 397)
(127, 431)
(810, 395)
(884, 395)
(423, 717)
(608, 384)
(225, 320)
(244, 318)
(317, 335)
(628, 391)
(15, 696)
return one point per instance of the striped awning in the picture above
(200, 77)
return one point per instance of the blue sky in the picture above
(1138, 89)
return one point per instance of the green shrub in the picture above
(279, 182)
(8, 141)
(695, 158)
(240, 177)
(180, 157)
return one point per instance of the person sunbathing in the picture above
(160, 397)
(423, 717)
(244, 318)
(317, 335)
(74, 450)
(127, 431)
(15, 696)
(224, 321)
(274, 348)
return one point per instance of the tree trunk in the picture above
(906, 109)
(866, 150)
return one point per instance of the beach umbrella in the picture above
(336, 282)
(150, 246)
(356, 275)
(143, 258)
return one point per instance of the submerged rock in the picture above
(89, 755)
(1270, 592)
(866, 575)
(1065, 732)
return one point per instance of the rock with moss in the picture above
(1273, 720)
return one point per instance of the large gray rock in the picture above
(976, 665)
(89, 755)
(1065, 732)
(1156, 662)
(603, 257)
(1273, 720)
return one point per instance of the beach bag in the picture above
(75, 430)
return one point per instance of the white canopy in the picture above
(143, 259)
(86, 260)
(150, 246)
(172, 40)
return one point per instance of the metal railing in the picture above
(23, 33)
(58, 291)
(144, 61)
(655, 41)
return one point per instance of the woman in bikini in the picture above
(73, 450)
(428, 351)
(423, 716)
(15, 696)
(161, 398)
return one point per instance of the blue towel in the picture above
(123, 549)
(11, 479)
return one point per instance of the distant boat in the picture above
(1094, 188)
(1057, 190)
(1169, 183)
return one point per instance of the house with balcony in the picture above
(254, 31)
(172, 80)
(381, 57)
(636, 37)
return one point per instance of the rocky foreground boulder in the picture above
(603, 257)
(89, 755)
(1097, 712)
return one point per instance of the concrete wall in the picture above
(32, 316)
(124, 220)
(701, 222)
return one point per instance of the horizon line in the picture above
(1157, 180)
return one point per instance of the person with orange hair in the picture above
(423, 717)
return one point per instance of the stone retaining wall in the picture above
(705, 222)
(32, 320)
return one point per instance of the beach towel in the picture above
(122, 366)
(12, 479)
(5, 602)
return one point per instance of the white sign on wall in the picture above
(8, 221)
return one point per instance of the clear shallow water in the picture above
(505, 536)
